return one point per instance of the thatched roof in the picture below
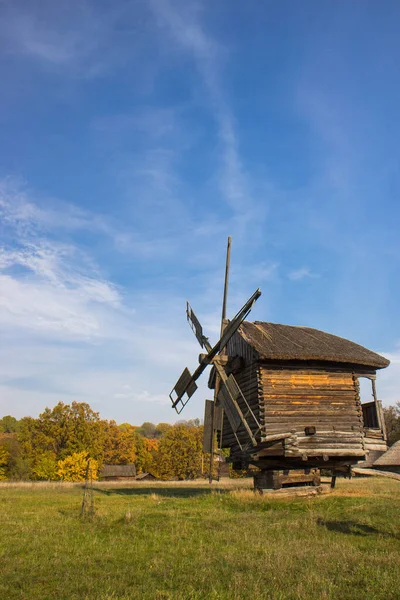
(145, 476)
(118, 471)
(391, 458)
(285, 342)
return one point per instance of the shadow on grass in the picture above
(353, 528)
(167, 492)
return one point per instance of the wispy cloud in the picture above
(70, 333)
(184, 25)
(47, 285)
(301, 273)
(78, 39)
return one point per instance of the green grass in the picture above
(163, 541)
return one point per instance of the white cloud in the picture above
(70, 334)
(67, 37)
(301, 273)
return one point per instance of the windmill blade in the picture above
(195, 326)
(238, 319)
(183, 390)
(230, 329)
(185, 387)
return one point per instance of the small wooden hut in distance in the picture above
(118, 472)
(146, 477)
(390, 460)
(302, 385)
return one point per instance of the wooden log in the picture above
(375, 473)
(276, 437)
(375, 446)
(306, 447)
(335, 452)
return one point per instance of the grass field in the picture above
(163, 541)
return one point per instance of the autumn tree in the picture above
(45, 467)
(162, 429)
(61, 439)
(3, 463)
(120, 444)
(18, 465)
(180, 453)
(63, 430)
(147, 453)
(74, 467)
(9, 424)
(392, 421)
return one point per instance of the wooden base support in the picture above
(276, 480)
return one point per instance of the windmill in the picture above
(228, 397)
(286, 398)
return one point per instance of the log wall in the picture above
(293, 400)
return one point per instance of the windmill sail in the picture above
(195, 325)
(185, 386)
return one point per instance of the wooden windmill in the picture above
(286, 397)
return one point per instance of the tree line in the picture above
(58, 444)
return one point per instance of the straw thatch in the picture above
(286, 342)
(391, 458)
(146, 477)
(118, 471)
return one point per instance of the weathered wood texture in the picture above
(276, 479)
(295, 397)
(247, 380)
(291, 400)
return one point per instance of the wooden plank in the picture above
(375, 473)
(335, 452)
(208, 426)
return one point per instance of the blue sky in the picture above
(136, 136)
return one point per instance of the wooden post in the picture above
(225, 298)
(379, 411)
(223, 324)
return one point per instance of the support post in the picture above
(223, 324)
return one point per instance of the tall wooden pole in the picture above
(225, 299)
(217, 379)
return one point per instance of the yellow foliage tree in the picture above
(3, 463)
(74, 467)
(45, 467)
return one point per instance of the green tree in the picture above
(45, 467)
(9, 424)
(3, 463)
(18, 465)
(147, 430)
(392, 421)
(180, 453)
